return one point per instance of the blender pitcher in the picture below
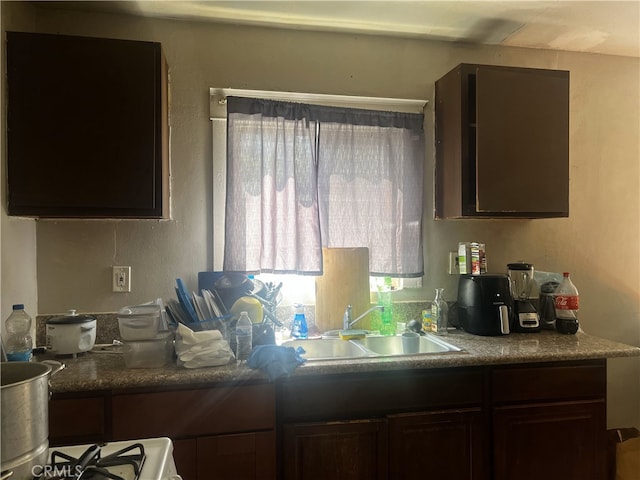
(525, 315)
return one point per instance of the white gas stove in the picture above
(147, 459)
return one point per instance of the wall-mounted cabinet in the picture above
(87, 132)
(502, 143)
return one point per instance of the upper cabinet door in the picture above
(502, 143)
(87, 132)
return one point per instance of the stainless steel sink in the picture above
(328, 348)
(392, 346)
(369, 347)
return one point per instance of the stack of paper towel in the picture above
(201, 349)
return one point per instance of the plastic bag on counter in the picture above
(201, 349)
(545, 277)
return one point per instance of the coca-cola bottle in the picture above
(567, 304)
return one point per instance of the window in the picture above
(339, 177)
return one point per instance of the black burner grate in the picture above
(124, 464)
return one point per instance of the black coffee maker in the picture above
(525, 315)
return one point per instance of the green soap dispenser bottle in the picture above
(387, 327)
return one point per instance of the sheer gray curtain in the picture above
(271, 220)
(300, 177)
(370, 187)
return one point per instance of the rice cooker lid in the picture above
(71, 318)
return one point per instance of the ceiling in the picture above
(607, 27)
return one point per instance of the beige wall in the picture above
(599, 243)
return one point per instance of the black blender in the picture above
(525, 315)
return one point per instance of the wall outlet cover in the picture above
(121, 278)
(454, 267)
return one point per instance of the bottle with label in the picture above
(439, 313)
(566, 302)
(299, 327)
(426, 320)
(19, 343)
(244, 337)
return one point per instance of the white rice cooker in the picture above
(71, 333)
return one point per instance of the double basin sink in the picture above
(371, 346)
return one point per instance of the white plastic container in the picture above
(155, 353)
(140, 322)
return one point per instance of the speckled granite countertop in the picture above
(107, 371)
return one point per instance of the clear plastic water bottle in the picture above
(299, 328)
(244, 337)
(439, 313)
(19, 343)
(567, 302)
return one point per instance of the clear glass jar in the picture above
(439, 313)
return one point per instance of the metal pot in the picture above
(24, 396)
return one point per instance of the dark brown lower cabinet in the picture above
(224, 431)
(510, 422)
(503, 422)
(399, 425)
(185, 454)
(447, 444)
(347, 450)
(553, 441)
(80, 419)
(549, 421)
(218, 432)
(244, 456)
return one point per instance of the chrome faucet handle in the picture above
(349, 322)
(346, 319)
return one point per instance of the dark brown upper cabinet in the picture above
(87, 127)
(502, 143)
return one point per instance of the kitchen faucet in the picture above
(347, 322)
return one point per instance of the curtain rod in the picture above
(218, 100)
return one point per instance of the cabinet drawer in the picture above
(377, 394)
(194, 412)
(77, 420)
(549, 382)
